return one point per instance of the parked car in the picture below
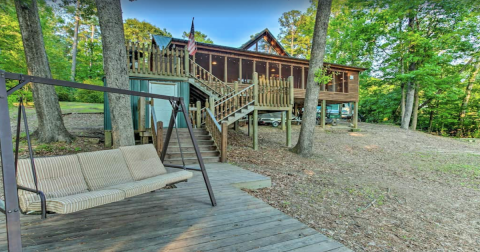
(273, 119)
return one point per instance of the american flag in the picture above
(192, 47)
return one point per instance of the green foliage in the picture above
(289, 22)
(142, 31)
(89, 96)
(199, 37)
(322, 77)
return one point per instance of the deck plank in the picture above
(179, 219)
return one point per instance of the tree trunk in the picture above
(402, 103)
(430, 121)
(304, 146)
(468, 93)
(115, 68)
(75, 41)
(410, 86)
(91, 48)
(50, 121)
(415, 110)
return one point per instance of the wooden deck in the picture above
(180, 219)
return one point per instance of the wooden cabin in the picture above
(224, 84)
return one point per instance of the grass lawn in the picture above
(66, 107)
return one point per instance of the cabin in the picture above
(223, 85)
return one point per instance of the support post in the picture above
(303, 78)
(211, 102)
(187, 63)
(199, 114)
(250, 126)
(324, 112)
(223, 151)
(159, 138)
(255, 88)
(209, 67)
(289, 128)
(283, 120)
(141, 114)
(194, 70)
(240, 70)
(255, 129)
(108, 139)
(12, 210)
(355, 115)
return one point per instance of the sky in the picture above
(226, 22)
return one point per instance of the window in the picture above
(338, 79)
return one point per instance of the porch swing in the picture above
(71, 183)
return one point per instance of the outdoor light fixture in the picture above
(214, 63)
(273, 69)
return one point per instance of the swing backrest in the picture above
(143, 161)
(57, 177)
(104, 168)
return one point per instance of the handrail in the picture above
(233, 96)
(218, 133)
(227, 89)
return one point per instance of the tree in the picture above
(142, 31)
(289, 22)
(304, 146)
(199, 37)
(115, 67)
(50, 122)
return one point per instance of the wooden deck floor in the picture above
(180, 219)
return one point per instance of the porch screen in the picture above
(247, 71)
(233, 69)
(218, 67)
(261, 69)
(286, 71)
(202, 60)
(274, 70)
(297, 77)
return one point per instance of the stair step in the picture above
(189, 148)
(178, 155)
(188, 144)
(187, 139)
(189, 161)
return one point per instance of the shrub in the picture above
(90, 96)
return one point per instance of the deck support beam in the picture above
(289, 128)
(250, 126)
(323, 114)
(283, 120)
(255, 129)
(355, 115)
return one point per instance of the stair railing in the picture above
(228, 105)
(209, 81)
(219, 133)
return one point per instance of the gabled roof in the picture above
(161, 41)
(268, 36)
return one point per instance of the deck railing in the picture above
(275, 92)
(218, 133)
(229, 104)
(152, 60)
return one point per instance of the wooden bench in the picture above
(76, 182)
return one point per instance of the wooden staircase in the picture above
(205, 142)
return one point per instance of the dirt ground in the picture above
(381, 189)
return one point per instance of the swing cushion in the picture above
(103, 169)
(57, 177)
(151, 184)
(78, 202)
(143, 161)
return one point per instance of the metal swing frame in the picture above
(10, 207)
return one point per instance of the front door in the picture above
(163, 108)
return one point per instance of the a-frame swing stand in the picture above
(10, 207)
